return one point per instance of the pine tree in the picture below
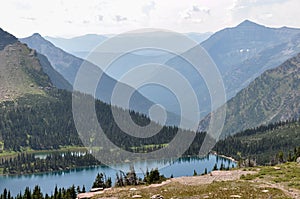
(99, 183)
(195, 173)
(215, 167)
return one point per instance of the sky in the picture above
(69, 18)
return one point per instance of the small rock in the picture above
(107, 189)
(265, 191)
(137, 196)
(157, 196)
(277, 168)
(298, 160)
(235, 196)
(132, 189)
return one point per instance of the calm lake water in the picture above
(86, 176)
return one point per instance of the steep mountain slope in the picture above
(20, 70)
(17, 67)
(243, 52)
(15, 76)
(64, 63)
(272, 97)
(242, 74)
(6, 39)
(58, 80)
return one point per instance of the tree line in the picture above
(28, 163)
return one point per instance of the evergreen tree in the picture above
(195, 173)
(99, 182)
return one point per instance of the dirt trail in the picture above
(206, 179)
(234, 175)
(214, 176)
(294, 193)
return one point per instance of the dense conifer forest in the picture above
(264, 144)
(35, 122)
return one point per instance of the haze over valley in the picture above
(149, 99)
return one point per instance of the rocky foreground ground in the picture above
(281, 181)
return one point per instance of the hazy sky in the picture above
(67, 18)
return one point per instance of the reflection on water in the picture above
(85, 176)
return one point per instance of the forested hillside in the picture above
(35, 122)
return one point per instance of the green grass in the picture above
(287, 174)
(248, 177)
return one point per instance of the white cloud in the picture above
(205, 10)
(100, 18)
(195, 13)
(148, 7)
(77, 17)
(119, 18)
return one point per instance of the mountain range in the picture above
(36, 115)
(268, 56)
(81, 46)
(68, 65)
(78, 46)
(241, 54)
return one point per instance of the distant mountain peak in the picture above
(248, 23)
(36, 35)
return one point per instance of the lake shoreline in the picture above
(224, 156)
(185, 166)
(76, 149)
